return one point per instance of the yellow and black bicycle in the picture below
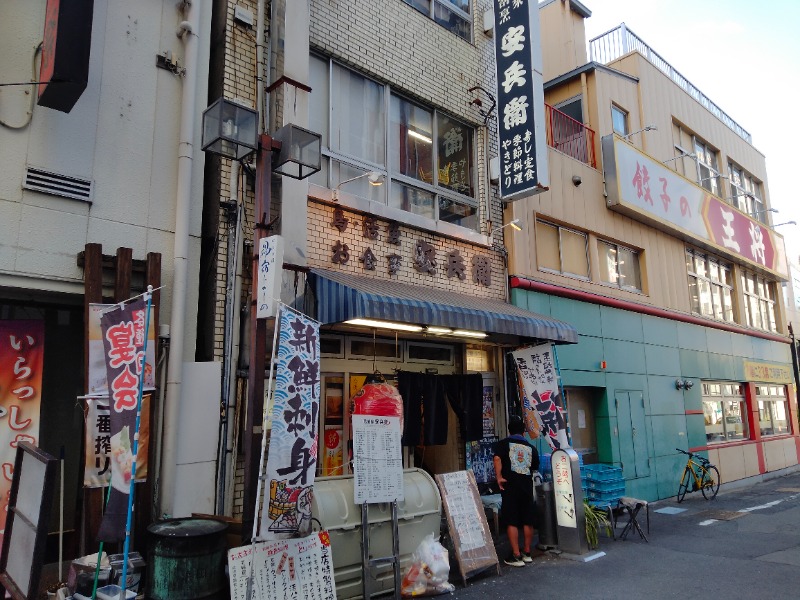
(699, 474)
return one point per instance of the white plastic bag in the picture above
(429, 570)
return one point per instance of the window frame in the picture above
(771, 395)
(624, 114)
(725, 395)
(333, 161)
(618, 284)
(766, 303)
(707, 159)
(446, 5)
(559, 229)
(746, 192)
(692, 256)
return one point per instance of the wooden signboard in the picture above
(466, 521)
(32, 491)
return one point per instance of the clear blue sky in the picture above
(744, 56)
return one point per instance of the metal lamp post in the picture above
(229, 130)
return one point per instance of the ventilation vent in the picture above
(58, 185)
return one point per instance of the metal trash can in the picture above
(546, 503)
(187, 559)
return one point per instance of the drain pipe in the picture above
(187, 31)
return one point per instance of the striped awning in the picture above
(342, 296)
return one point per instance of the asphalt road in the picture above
(743, 544)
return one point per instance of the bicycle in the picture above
(698, 474)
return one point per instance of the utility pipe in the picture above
(188, 32)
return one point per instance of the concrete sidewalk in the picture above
(743, 544)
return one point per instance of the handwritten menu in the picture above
(562, 487)
(463, 510)
(284, 569)
(378, 459)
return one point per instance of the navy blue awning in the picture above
(342, 296)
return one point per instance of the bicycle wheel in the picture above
(709, 484)
(685, 480)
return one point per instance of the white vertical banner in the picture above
(292, 459)
(542, 402)
(270, 267)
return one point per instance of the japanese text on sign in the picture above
(378, 459)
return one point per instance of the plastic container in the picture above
(600, 472)
(136, 570)
(607, 495)
(604, 485)
(113, 592)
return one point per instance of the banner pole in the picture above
(123, 584)
(257, 510)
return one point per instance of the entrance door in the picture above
(580, 405)
(633, 446)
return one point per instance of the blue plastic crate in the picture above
(602, 472)
(607, 495)
(603, 485)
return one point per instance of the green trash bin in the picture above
(187, 559)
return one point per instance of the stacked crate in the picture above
(603, 484)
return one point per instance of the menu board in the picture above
(466, 521)
(562, 487)
(378, 459)
(284, 569)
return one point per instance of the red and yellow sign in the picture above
(21, 365)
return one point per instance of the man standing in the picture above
(515, 461)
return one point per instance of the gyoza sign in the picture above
(520, 99)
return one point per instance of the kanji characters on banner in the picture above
(21, 366)
(542, 404)
(292, 459)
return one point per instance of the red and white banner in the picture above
(21, 365)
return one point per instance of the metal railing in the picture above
(569, 136)
(621, 40)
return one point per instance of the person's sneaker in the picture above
(514, 561)
(526, 558)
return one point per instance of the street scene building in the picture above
(420, 190)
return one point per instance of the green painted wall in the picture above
(648, 354)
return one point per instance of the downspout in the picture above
(187, 31)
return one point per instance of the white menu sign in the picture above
(562, 486)
(463, 510)
(378, 459)
(270, 267)
(284, 569)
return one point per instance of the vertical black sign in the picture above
(515, 33)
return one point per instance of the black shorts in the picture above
(518, 508)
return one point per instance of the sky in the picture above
(745, 57)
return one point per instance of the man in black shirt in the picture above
(515, 461)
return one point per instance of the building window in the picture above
(619, 266)
(562, 250)
(619, 120)
(746, 193)
(773, 412)
(725, 412)
(453, 15)
(427, 156)
(707, 170)
(710, 286)
(759, 302)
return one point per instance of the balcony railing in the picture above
(569, 136)
(621, 40)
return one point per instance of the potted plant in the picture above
(596, 517)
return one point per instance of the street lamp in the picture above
(375, 178)
(513, 224)
(648, 128)
(229, 130)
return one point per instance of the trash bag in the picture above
(429, 570)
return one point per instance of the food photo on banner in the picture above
(292, 458)
(542, 404)
(123, 331)
(21, 365)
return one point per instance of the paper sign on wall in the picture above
(378, 459)
(270, 267)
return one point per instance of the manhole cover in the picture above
(720, 515)
(670, 510)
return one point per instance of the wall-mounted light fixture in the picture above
(684, 384)
(786, 223)
(513, 224)
(761, 212)
(683, 155)
(647, 128)
(384, 325)
(576, 180)
(375, 178)
(713, 177)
